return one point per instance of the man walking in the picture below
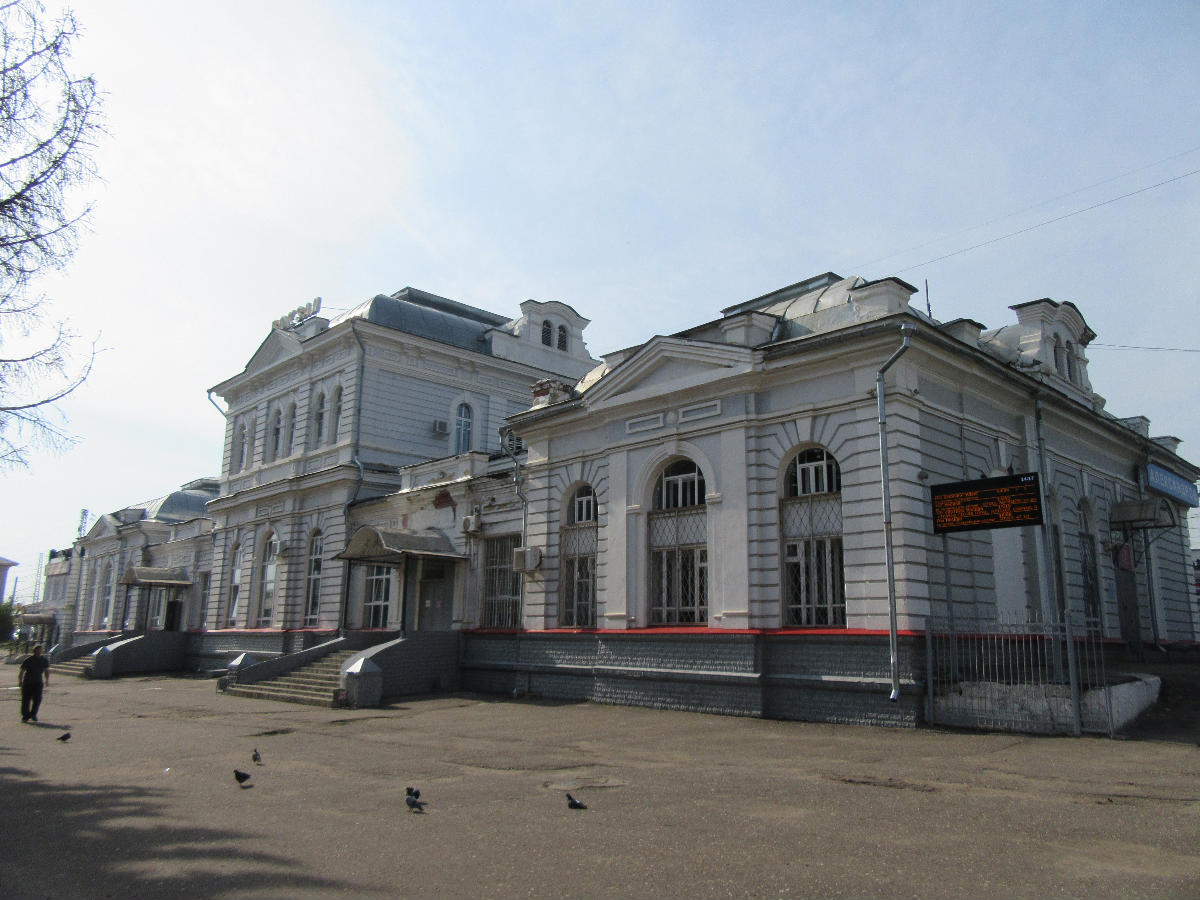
(33, 677)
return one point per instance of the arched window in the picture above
(277, 435)
(1087, 561)
(562, 337)
(235, 585)
(547, 333)
(814, 587)
(577, 551)
(238, 461)
(678, 537)
(106, 595)
(1060, 358)
(319, 420)
(1072, 373)
(290, 436)
(312, 585)
(268, 572)
(336, 424)
(462, 428)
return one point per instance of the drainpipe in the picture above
(1050, 603)
(1150, 597)
(906, 331)
(506, 446)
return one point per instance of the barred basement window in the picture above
(678, 533)
(814, 585)
(501, 585)
(577, 550)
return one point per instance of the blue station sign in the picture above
(1165, 482)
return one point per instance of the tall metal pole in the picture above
(907, 332)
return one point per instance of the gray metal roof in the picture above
(429, 316)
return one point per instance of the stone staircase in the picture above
(313, 684)
(77, 667)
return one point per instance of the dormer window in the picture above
(1072, 364)
(547, 333)
(562, 337)
(1060, 358)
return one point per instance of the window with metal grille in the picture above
(814, 587)
(577, 550)
(378, 602)
(462, 428)
(312, 587)
(678, 535)
(562, 337)
(547, 332)
(267, 577)
(501, 585)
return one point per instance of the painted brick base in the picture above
(815, 678)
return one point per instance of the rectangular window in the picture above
(312, 593)
(502, 585)
(378, 603)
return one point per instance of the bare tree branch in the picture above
(49, 123)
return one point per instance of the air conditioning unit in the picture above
(526, 559)
(472, 524)
(441, 426)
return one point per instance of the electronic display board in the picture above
(1004, 502)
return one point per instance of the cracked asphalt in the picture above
(142, 802)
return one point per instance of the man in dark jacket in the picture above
(34, 675)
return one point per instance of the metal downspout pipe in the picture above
(907, 331)
(344, 618)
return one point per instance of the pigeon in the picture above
(412, 792)
(257, 757)
(242, 777)
(412, 802)
(572, 803)
(64, 737)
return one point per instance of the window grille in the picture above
(577, 550)
(814, 584)
(678, 535)
(562, 337)
(312, 593)
(547, 333)
(502, 585)
(378, 603)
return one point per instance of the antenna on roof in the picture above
(83, 520)
(928, 308)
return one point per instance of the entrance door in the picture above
(435, 595)
(174, 614)
(1127, 601)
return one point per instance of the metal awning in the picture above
(1143, 514)
(390, 546)
(148, 575)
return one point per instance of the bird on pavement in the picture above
(572, 803)
(242, 777)
(412, 800)
(64, 737)
(257, 757)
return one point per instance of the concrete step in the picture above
(312, 684)
(263, 691)
(75, 667)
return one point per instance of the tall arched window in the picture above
(336, 423)
(1087, 561)
(678, 537)
(547, 333)
(462, 428)
(814, 587)
(277, 435)
(235, 585)
(318, 432)
(562, 337)
(268, 573)
(290, 436)
(577, 552)
(312, 583)
(106, 597)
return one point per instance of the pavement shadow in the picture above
(117, 841)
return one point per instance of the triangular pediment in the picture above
(278, 346)
(665, 365)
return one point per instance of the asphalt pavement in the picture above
(142, 802)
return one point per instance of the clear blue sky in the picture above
(647, 163)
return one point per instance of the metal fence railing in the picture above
(1034, 677)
